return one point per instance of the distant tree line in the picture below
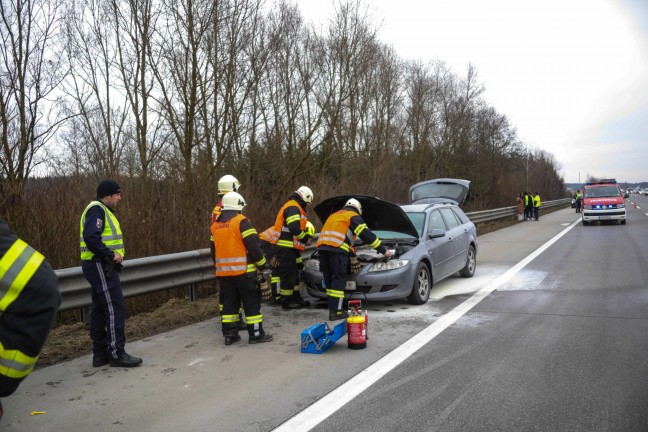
(166, 96)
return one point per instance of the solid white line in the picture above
(337, 398)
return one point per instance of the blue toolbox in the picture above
(319, 337)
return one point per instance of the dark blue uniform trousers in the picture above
(107, 316)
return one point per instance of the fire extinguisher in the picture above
(357, 322)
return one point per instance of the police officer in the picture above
(335, 245)
(102, 253)
(29, 299)
(290, 234)
(238, 255)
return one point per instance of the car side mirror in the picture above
(436, 233)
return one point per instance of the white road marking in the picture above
(337, 398)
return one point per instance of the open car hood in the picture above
(439, 190)
(377, 214)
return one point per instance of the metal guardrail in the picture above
(490, 215)
(188, 269)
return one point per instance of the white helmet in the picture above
(228, 183)
(233, 201)
(310, 228)
(305, 193)
(355, 204)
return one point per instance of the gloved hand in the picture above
(354, 265)
(263, 279)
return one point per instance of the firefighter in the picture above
(227, 183)
(102, 253)
(237, 257)
(29, 299)
(337, 254)
(270, 251)
(290, 235)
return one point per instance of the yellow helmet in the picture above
(228, 183)
(233, 201)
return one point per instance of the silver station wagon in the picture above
(431, 238)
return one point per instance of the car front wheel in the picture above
(471, 263)
(422, 285)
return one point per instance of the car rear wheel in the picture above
(422, 285)
(471, 263)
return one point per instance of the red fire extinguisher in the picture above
(357, 322)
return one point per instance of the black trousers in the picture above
(107, 316)
(237, 290)
(335, 268)
(288, 272)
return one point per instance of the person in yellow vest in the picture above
(102, 253)
(227, 183)
(29, 299)
(238, 256)
(536, 206)
(290, 234)
(337, 255)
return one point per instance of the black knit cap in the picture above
(107, 187)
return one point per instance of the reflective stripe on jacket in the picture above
(280, 233)
(231, 256)
(111, 236)
(17, 266)
(336, 231)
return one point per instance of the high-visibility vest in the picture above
(218, 209)
(111, 236)
(280, 234)
(231, 255)
(336, 231)
(536, 201)
(17, 266)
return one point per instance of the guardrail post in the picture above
(193, 292)
(85, 314)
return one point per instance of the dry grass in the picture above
(66, 342)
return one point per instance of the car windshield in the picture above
(418, 220)
(389, 235)
(432, 190)
(602, 191)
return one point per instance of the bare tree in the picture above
(29, 72)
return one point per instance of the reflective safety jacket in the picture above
(215, 213)
(99, 232)
(341, 228)
(536, 201)
(289, 229)
(29, 299)
(236, 245)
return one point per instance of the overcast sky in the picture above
(571, 75)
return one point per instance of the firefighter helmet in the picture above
(233, 201)
(352, 202)
(305, 193)
(228, 183)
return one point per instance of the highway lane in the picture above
(562, 346)
(191, 381)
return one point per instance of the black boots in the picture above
(266, 337)
(126, 360)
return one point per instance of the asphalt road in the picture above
(554, 339)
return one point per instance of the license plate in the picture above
(350, 286)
